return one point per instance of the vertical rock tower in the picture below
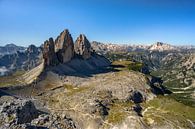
(49, 55)
(82, 47)
(63, 50)
(64, 47)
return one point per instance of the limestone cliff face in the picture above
(49, 54)
(63, 50)
(64, 46)
(82, 47)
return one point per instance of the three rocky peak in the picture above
(64, 49)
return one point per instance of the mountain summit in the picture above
(63, 50)
(83, 47)
(159, 46)
(65, 57)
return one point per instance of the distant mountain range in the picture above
(159, 46)
(14, 57)
(104, 47)
(11, 49)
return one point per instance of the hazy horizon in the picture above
(113, 21)
(128, 44)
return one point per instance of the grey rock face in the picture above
(24, 60)
(22, 114)
(83, 47)
(32, 49)
(137, 97)
(64, 46)
(49, 55)
(18, 112)
(55, 122)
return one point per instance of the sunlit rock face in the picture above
(82, 47)
(64, 46)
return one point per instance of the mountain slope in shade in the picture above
(11, 49)
(21, 60)
(64, 57)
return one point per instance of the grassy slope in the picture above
(174, 84)
(11, 80)
(161, 110)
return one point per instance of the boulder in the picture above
(82, 47)
(137, 97)
(64, 46)
(49, 55)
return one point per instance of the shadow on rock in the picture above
(157, 87)
(138, 109)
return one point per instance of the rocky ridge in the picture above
(20, 60)
(11, 49)
(64, 50)
(105, 48)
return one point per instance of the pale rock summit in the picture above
(159, 46)
(64, 46)
(82, 47)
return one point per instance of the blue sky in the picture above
(25, 22)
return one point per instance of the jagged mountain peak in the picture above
(64, 46)
(64, 50)
(160, 46)
(82, 37)
(82, 47)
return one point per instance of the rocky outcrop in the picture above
(82, 47)
(137, 97)
(53, 121)
(64, 46)
(22, 114)
(18, 112)
(63, 49)
(49, 55)
(32, 49)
